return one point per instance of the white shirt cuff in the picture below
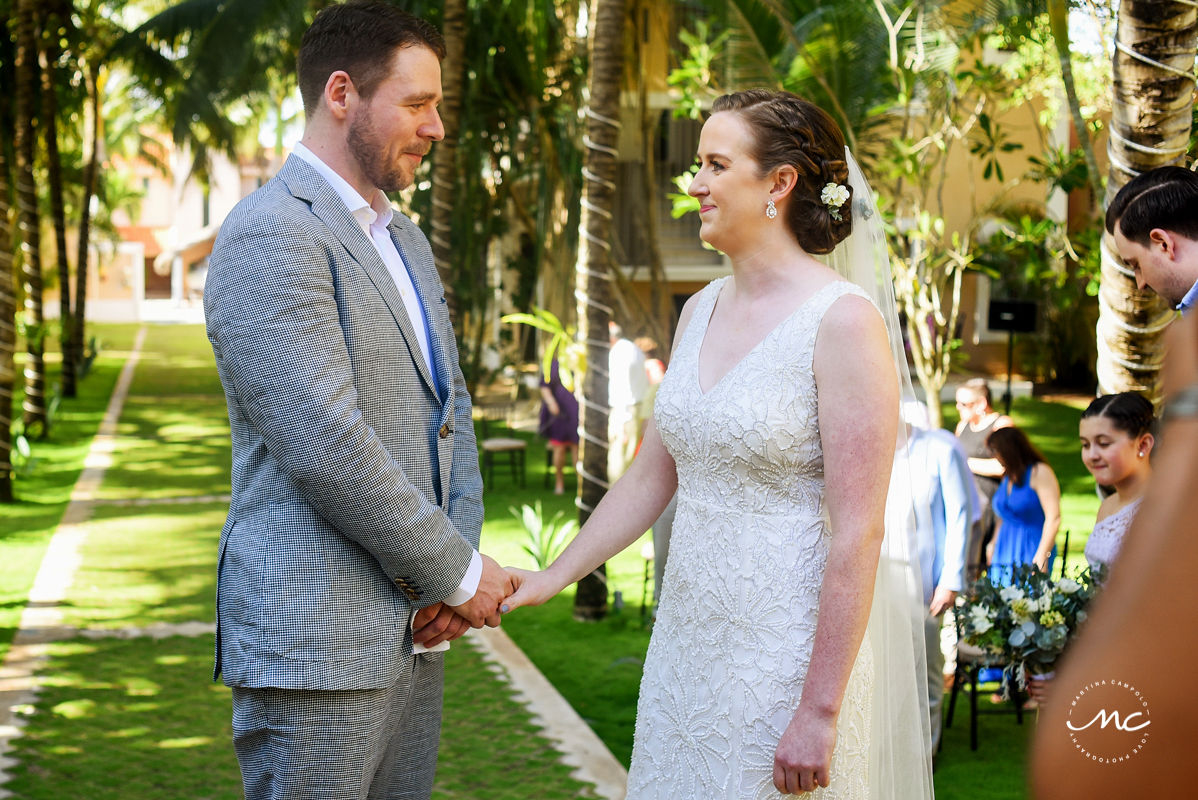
(469, 584)
(463, 593)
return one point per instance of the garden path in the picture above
(42, 625)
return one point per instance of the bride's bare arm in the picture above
(626, 511)
(858, 420)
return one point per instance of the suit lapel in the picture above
(307, 184)
(432, 298)
(430, 294)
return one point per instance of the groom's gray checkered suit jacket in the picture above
(356, 491)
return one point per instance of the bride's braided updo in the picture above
(788, 130)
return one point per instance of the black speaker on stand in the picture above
(1012, 316)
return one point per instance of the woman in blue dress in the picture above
(1027, 504)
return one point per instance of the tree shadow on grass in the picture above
(140, 718)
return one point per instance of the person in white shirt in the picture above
(627, 384)
(944, 503)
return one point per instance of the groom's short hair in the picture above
(1165, 198)
(359, 37)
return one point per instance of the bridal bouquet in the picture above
(1028, 622)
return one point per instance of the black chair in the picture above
(492, 446)
(970, 662)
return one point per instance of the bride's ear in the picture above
(785, 179)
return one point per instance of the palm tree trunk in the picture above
(8, 330)
(593, 277)
(1058, 15)
(48, 55)
(445, 156)
(1150, 127)
(24, 137)
(90, 170)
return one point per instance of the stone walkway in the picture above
(41, 624)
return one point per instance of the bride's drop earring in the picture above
(771, 210)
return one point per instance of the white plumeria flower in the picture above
(834, 195)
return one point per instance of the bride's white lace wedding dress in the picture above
(736, 622)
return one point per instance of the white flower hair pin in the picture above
(834, 195)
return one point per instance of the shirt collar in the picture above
(375, 214)
(1189, 300)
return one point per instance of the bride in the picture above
(787, 652)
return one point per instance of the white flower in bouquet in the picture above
(1045, 603)
(980, 619)
(1010, 594)
(1068, 585)
(1022, 608)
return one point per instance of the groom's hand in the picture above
(437, 623)
(493, 587)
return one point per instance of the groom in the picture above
(350, 550)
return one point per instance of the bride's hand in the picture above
(532, 589)
(804, 754)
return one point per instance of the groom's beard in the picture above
(384, 163)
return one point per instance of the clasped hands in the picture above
(499, 591)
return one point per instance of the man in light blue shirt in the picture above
(1154, 222)
(944, 504)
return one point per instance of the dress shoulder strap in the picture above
(822, 300)
(697, 324)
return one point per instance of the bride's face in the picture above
(732, 194)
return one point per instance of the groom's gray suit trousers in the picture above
(306, 745)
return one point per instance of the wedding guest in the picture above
(663, 527)
(1116, 439)
(626, 387)
(943, 498)
(1141, 630)
(559, 423)
(978, 421)
(1027, 507)
(1154, 222)
(655, 371)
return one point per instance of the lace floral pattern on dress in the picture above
(1106, 540)
(736, 623)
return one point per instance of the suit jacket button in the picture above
(444, 430)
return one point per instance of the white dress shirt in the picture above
(374, 217)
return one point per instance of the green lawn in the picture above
(117, 701)
(141, 718)
(42, 496)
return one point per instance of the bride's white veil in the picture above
(900, 759)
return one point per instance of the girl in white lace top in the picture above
(1116, 438)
